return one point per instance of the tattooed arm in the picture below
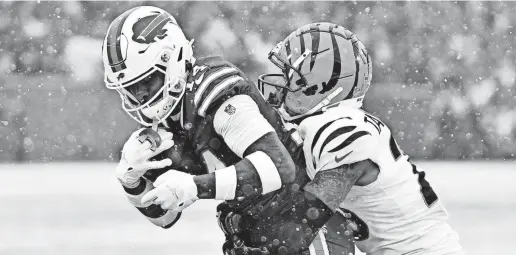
(332, 186)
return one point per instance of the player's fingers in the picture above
(186, 203)
(165, 145)
(170, 202)
(172, 177)
(151, 165)
(142, 149)
(167, 205)
(173, 205)
(161, 179)
(164, 134)
(179, 206)
(150, 197)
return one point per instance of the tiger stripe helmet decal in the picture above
(322, 64)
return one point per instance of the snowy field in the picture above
(79, 209)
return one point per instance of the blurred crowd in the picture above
(444, 72)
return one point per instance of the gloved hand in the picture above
(174, 190)
(142, 145)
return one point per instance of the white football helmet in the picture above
(322, 65)
(140, 42)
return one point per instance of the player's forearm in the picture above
(271, 145)
(333, 185)
(246, 178)
(154, 213)
(266, 163)
(205, 185)
(266, 166)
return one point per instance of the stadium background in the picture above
(444, 78)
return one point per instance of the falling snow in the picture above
(445, 68)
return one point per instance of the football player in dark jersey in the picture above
(216, 116)
(207, 101)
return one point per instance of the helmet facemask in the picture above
(161, 103)
(282, 82)
(292, 85)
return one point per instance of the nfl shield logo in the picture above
(230, 109)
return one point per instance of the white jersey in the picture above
(403, 213)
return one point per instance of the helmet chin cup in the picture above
(158, 109)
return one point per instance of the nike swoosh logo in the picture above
(339, 159)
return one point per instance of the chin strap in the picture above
(181, 114)
(155, 123)
(353, 103)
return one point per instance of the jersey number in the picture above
(426, 190)
(428, 193)
(378, 124)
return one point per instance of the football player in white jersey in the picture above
(351, 155)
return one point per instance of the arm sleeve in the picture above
(240, 123)
(154, 213)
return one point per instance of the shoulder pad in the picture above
(215, 79)
(343, 141)
(211, 61)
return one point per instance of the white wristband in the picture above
(225, 183)
(267, 171)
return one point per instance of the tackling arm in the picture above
(340, 157)
(319, 207)
(332, 186)
(266, 164)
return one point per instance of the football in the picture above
(182, 159)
